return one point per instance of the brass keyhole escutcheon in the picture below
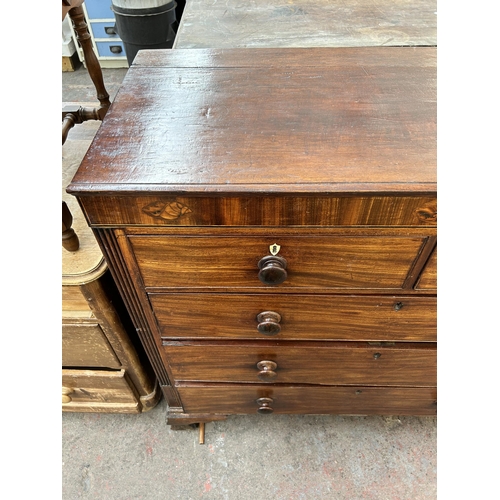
(274, 248)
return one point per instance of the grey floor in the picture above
(131, 457)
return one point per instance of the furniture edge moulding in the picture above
(115, 249)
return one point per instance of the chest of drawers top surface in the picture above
(296, 121)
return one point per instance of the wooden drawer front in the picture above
(241, 210)
(295, 317)
(86, 345)
(317, 262)
(330, 365)
(359, 400)
(97, 390)
(428, 279)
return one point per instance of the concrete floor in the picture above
(132, 457)
(275, 457)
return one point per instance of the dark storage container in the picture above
(145, 24)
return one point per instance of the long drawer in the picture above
(332, 364)
(295, 317)
(359, 400)
(313, 261)
(98, 390)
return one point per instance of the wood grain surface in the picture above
(326, 261)
(303, 317)
(263, 210)
(310, 120)
(99, 391)
(309, 399)
(351, 364)
(308, 23)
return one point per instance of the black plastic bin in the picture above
(147, 26)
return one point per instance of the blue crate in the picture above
(99, 9)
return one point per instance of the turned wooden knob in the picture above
(66, 391)
(269, 323)
(264, 406)
(272, 270)
(266, 373)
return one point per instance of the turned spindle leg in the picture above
(69, 238)
(93, 67)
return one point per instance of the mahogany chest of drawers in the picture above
(269, 216)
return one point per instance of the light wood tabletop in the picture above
(307, 23)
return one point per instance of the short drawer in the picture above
(337, 364)
(84, 344)
(111, 49)
(104, 29)
(359, 400)
(98, 390)
(327, 262)
(295, 317)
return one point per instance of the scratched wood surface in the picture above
(262, 120)
(307, 23)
